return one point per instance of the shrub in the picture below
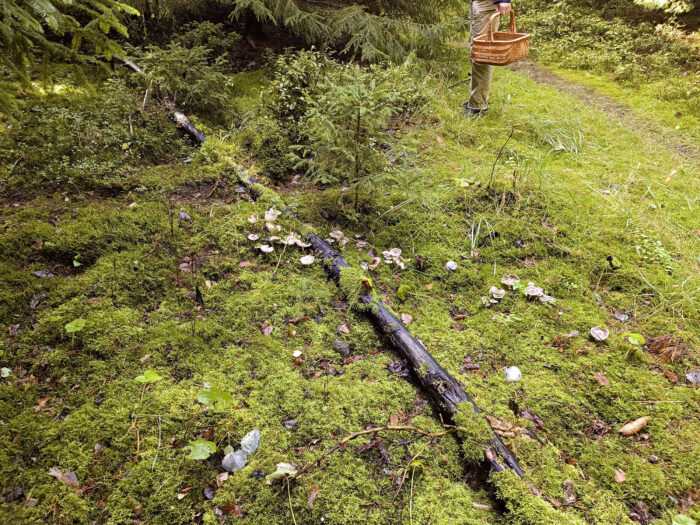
(213, 37)
(346, 126)
(183, 76)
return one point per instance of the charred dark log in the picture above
(188, 127)
(443, 389)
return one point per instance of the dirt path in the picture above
(651, 133)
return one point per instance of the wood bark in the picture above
(444, 390)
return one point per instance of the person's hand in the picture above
(504, 8)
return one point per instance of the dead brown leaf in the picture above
(665, 348)
(535, 419)
(68, 478)
(312, 496)
(620, 476)
(673, 378)
(298, 320)
(504, 428)
(640, 513)
(600, 376)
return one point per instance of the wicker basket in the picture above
(498, 48)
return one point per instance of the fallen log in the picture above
(180, 118)
(444, 390)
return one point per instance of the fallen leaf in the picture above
(640, 513)
(343, 328)
(634, 427)
(68, 478)
(601, 378)
(673, 378)
(36, 299)
(439, 139)
(620, 476)
(220, 478)
(406, 319)
(599, 333)
(144, 358)
(283, 470)
(243, 264)
(536, 420)
(665, 348)
(312, 496)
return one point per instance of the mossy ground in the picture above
(583, 189)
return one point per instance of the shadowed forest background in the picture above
(176, 347)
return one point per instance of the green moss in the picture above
(475, 432)
(524, 507)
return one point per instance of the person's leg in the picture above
(480, 83)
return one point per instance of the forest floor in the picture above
(142, 326)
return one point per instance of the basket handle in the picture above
(493, 24)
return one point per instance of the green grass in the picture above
(584, 188)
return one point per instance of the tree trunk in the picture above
(443, 389)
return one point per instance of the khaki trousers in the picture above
(479, 13)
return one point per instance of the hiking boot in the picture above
(472, 112)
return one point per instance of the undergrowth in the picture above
(169, 284)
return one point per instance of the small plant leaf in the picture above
(634, 339)
(215, 398)
(200, 449)
(76, 325)
(682, 519)
(149, 376)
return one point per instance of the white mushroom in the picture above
(307, 259)
(451, 265)
(497, 293)
(533, 291)
(253, 237)
(375, 262)
(272, 214)
(510, 280)
(253, 219)
(266, 248)
(336, 234)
